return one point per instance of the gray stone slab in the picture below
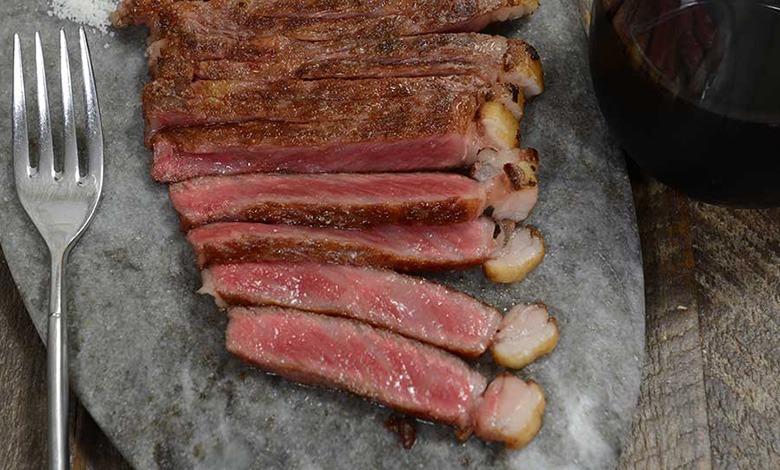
(147, 356)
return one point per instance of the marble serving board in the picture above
(147, 353)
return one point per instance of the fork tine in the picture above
(94, 125)
(70, 167)
(45, 150)
(21, 149)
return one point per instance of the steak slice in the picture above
(440, 136)
(413, 307)
(344, 354)
(330, 200)
(337, 17)
(168, 104)
(401, 373)
(507, 254)
(274, 57)
(399, 247)
(215, 57)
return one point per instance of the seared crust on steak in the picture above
(213, 57)
(317, 19)
(168, 104)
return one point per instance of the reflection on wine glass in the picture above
(691, 89)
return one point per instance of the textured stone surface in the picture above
(147, 354)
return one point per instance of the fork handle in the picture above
(57, 368)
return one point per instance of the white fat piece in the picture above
(499, 128)
(523, 68)
(517, 10)
(510, 411)
(526, 333)
(521, 254)
(510, 96)
(510, 179)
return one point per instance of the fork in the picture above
(60, 204)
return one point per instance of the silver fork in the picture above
(61, 205)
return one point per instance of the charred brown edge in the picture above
(536, 233)
(517, 178)
(532, 53)
(515, 90)
(521, 54)
(532, 157)
(550, 317)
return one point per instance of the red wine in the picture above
(692, 93)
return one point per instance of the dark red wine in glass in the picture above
(691, 91)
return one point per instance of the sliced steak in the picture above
(172, 163)
(414, 307)
(401, 373)
(399, 247)
(411, 306)
(351, 200)
(166, 104)
(332, 200)
(440, 136)
(213, 57)
(339, 353)
(468, 15)
(319, 19)
(443, 134)
(265, 58)
(506, 255)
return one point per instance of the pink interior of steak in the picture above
(338, 200)
(400, 247)
(437, 152)
(414, 307)
(317, 349)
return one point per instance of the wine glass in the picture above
(691, 90)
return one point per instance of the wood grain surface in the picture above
(738, 292)
(23, 397)
(670, 428)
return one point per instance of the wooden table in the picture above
(711, 392)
